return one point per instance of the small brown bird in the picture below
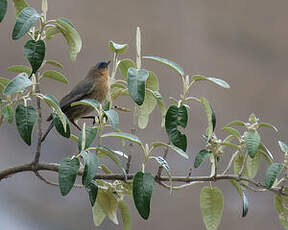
(94, 86)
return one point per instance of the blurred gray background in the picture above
(243, 42)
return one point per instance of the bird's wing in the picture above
(81, 90)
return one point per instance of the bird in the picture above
(94, 86)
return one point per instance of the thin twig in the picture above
(243, 165)
(131, 146)
(39, 124)
(178, 187)
(230, 162)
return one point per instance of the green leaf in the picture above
(49, 98)
(143, 111)
(118, 153)
(59, 126)
(266, 153)
(118, 48)
(66, 20)
(124, 65)
(51, 32)
(116, 92)
(108, 203)
(125, 215)
(20, 69)
(164, 164)
(268, 125)
(25, 20)
(53, 103)
(113, 117)
(272, 173)
(208, 110)
(54, 63)
(112, 155)
(176, 116)
(252, 165)
(231, 145)
(98, 212)
(143, 184)
(211, 204)
(282, 211)
(72, 37)
(19, 5)
(90, 102)
(68, 170)
(215, 80)
(137, 84)
(245, 203)
(105, 169)
(252, 142)
(92, 190)
(3, 9)
(90, 134)
(232, 131)
(90, 168)
(55, 76)
(200, 157)
(158, 97)
(26, 117)
(126, 136)
(34, 51)
(7, 113)
(150, 101)
(17, 84)
(235, 123)
(176, 149)
(213, 117)
(167, 62)
(283, 146)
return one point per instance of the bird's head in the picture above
(99, 70)
(102, 65)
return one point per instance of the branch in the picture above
(54, 167)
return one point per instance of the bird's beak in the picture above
(108, 63)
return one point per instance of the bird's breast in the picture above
(100, 89)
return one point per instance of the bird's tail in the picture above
(47, 132)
